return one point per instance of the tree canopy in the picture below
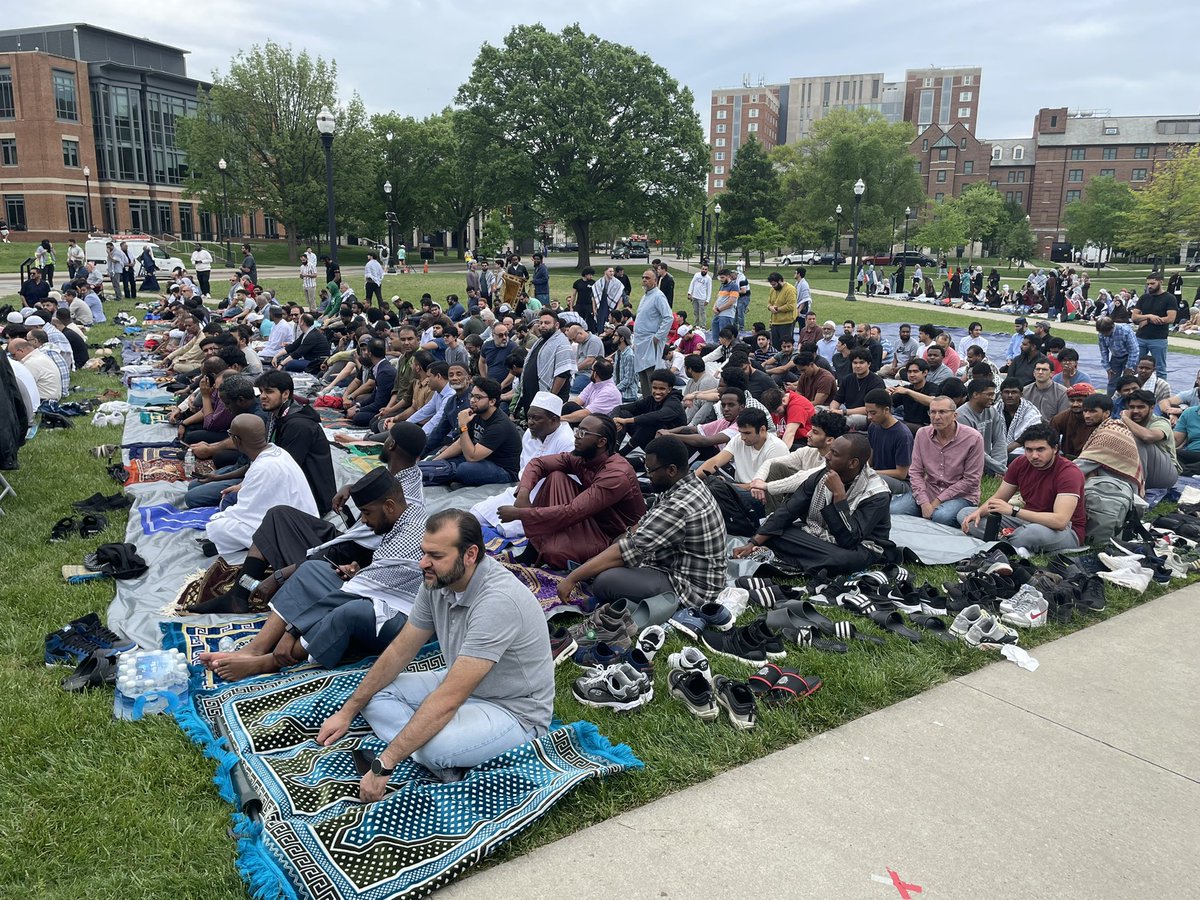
(586, 130)
(752, 191)
(1101, 216)
(1166, 212)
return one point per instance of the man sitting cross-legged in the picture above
(777, 479)
(749, 450)
(497, 690)
(678, 547)
(327, 610)
(838, 519)
(587, 499)
(947, 466)
(287, 536)
(1156, 443)
(488, 447)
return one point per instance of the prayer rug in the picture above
(172, 451)
(543, 584)
(145, 471)
(357, 463)
(315, 839)
(191, 639)
(165, 517)
(332, 418)
(153, 418)
(217, 579)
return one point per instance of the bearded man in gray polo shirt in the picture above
(497, 690)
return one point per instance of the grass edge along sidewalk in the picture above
(128, 809)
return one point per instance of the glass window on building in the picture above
(947, 99)
(1073, 196)
(14, 212)
(722, 113)
(8, 151)
(70, 154)
(1108, 173)
(969, 167)
(753, 126)
(207, 227)
(270, 227)
(1110, 152)
(1078, 153)
(8, 109)
(1075, 175)
(997, 153)
(117, 119)
(77, 214)
(939, 197)
(66, 103)
(187, 230)
(941, 176)
(718, 182)
(925, 109)
(1017, 197)
(164, 217)
(1138, 175)
(1018, 152)
(139, 217)
(111, 223)
(943, 153)
(1141, 152)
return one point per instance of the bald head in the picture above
(19, 348)
(249, 433)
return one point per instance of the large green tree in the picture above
(457, 174)
(1166, 212)
(981, 207)
(261, 118)
(752, 191)
(1100, 217)
(819, 173)
(944, 229)
(586, 130)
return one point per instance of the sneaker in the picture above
(651, 640)
(562, 645)
(620, 688)
(599, 655)
(611, 623)
(988, 562)
(1090, 591)
(965, 619)
(772, 640)
(69, 647)
(974, 590)
(746, 645)
(695, 692)
(1137, 578)
(1120, 561)
(736, 698)
(989, 632)
(91, 627)
(637, 658)
(690, 659)
(1029, 612)
(913, 599)
(1028, 592)
(688, 621)
(715, 616)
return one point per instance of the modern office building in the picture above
(810, 99)
(87, 137)
(737, 114)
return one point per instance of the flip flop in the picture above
(64, 528)
(934, 625)
(765, 678)
(92, 525)
(893, 623)
(97, 670)
(792, 686)
(807, 637)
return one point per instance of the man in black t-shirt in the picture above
(582, 302)
(666, 283)
(488, 449)
(1154, 315)
(913, 398)
(851, 397)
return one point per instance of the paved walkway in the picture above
(1079, 780)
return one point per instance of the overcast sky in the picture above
(411, 56)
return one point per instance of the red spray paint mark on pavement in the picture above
(906, 890)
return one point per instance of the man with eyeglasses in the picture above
(488, 448)
(493, 361)
(947, 466)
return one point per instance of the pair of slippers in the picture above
(775, 686)
(801, 622)
(96, 671)
(100, 503)
(766, 593)
(69, 526)
(930, 625)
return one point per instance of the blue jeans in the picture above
(946, 514)
(479, 731)
(1157, 348)
(209, 493)
(476, 473)
(719, 322)
(580, 381)
(743, 304)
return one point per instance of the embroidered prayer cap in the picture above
(551, 403)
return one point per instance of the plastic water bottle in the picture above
(226, 644)
(189, 463)
(149, 682)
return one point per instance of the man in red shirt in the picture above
(792, 414)
(1053, 515)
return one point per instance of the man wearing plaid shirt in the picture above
(1118, 350)
(678, 548)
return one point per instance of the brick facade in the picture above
(948, 160)
(736, 114)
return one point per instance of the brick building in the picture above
(736, 114)
(949, 159)
(945, 97)
(87, 137)
(1011, 164)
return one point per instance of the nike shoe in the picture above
(746, 645)
(620, 688)
(690, 659)
(965, 619)
(562, 645)
(989, 632)
(1029, 611)
(1028, 592)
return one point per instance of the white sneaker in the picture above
(1029, 612)
(651, 640)
(1026, 593)
(116, 418)
(99, 419)
(1121, 561)
(965, 620)
(989, 632)
(1137, 578)
(690, 659)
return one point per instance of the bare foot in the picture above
(239, 665)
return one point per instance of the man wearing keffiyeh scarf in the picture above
(1112, 448)
(838, 519)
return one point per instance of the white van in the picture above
(96, 251)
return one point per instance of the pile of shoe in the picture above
(91, 647)
(692, 683)
(616, 681)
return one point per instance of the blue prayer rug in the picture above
(315, 839)
(191, 639)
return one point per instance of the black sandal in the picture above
(92, 525)
(64, 528)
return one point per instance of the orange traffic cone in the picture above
(426, 267)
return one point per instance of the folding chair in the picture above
(5, 490)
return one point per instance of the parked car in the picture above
(799, 258)
(826, 259)
(1193, 266)
(879, 259)
(913, 258)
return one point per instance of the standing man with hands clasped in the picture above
(497, 690)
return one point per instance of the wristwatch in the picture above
(1016, 510)
(378, 769)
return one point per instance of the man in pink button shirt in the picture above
(947, 465)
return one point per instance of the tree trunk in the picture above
(583, 234)
(291, 244)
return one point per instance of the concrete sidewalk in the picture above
(1079, 780)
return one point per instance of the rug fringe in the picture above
(593, 742)
(264, 879)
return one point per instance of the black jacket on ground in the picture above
(301, 435)
(14, 417)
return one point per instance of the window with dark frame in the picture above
(8, 151)
(70, 151)
(8, 109)
(66, 102)
(14, 212)
(77, 214)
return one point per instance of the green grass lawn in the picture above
(94, 807)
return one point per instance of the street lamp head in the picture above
(717, 209)
(221, 164)
(839, 209)
(326, 123)
(87, 172)
(859, 187)
(387, 187)
(908, 212)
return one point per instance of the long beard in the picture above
(444, 581)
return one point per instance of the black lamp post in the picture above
(703, 229)
(837, 238)
(907, 216)
(859, 187)
(222, 165)
(326, 124)
(391, 220)
(87, 180)
(717, 236)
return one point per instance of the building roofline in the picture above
(73, 25)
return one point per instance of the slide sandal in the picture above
(893, 623)
(63, 529)
(764, 679)
(656, 610)
(848, 632)
(933, 625)
(798, 614)
(806, 636)
(792, 686)
(92, 525)
(96, 671)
